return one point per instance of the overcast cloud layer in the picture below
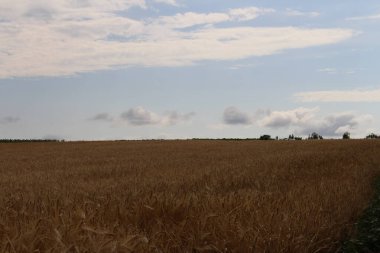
(305, 121)
(139, 116)
(54, 38)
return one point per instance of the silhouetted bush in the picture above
(372, 136)
(315, 136)
(265, 137)
(346, 136)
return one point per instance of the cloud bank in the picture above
(306, 120)
(169, 2)
(278, 119)
(296, 13)
(140, 116)
(58, 38)
(102, 117)
(336, 124)
(301, 121)
(233, 116)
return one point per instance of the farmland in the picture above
(184, 196)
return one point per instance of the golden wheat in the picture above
(183, 196)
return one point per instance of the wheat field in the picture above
(184, 196)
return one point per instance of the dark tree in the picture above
(346, 136)
(372, 136)
(315, 136)
(265, 137)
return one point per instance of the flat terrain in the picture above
(184, 196)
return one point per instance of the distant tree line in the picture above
(312, 136)
(292, 137)
(28, 140)
(315, 136)
(265, 137)
(373, 136)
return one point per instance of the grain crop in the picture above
(184, 196)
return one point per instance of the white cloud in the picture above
(296, 13)
(370, 17)
(245, 14)
(339, 96)
(233, 116)
(169, 2)
(189, 19)
(20, 10)
(139, 116)
(56, 38)
(278, 119)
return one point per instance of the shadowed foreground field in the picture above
(183, 196)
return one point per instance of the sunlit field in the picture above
(184, 196)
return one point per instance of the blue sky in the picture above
(135, 69)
